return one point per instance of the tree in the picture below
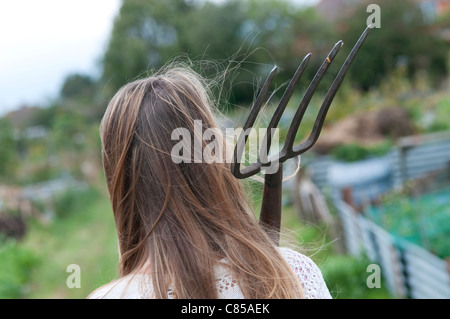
(144, 34)
(78, 86)
(405, 37)
(285, 34)
(245, 39)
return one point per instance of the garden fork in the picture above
(270, 214)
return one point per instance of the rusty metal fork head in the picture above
(288, 150)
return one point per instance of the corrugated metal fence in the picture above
(409, 271)
(415, 156)
(412, 157)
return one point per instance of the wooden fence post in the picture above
(347, 196)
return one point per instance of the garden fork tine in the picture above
(270, 215)
(254, 168)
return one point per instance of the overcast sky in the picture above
(43, 41)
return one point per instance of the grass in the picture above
(85, 236)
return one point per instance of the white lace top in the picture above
(308, 273)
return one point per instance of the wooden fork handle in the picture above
(270, 214)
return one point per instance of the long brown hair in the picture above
(180, 219)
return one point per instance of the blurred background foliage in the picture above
(397, 85)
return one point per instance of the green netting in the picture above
(423, 220)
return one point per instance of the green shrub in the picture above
(353, 152)
(350, 152)
(346, 278)
(16, 263)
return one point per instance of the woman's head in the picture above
(180, 218)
